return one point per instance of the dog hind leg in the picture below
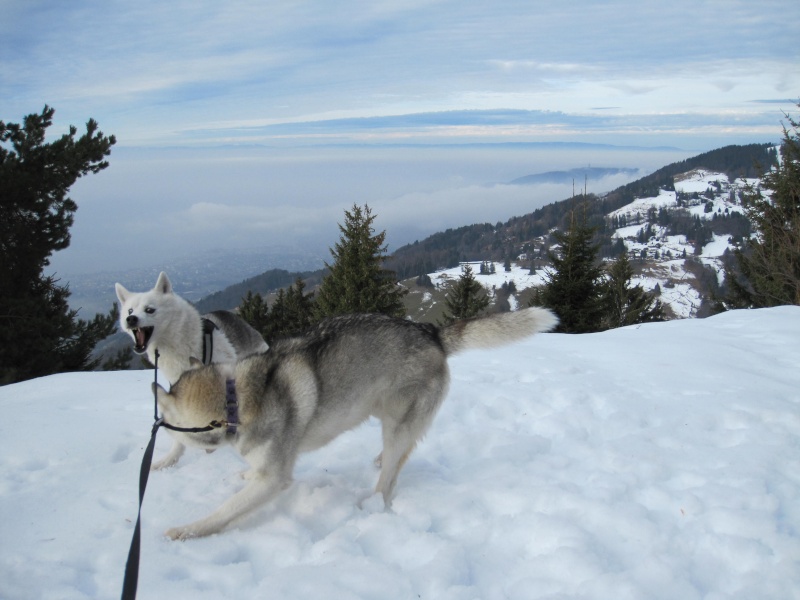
(393, 459)
(399, 440)
(401, 432)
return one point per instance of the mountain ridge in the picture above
(579, 174)
(518, 236)
(447, 249)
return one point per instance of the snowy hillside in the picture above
(658, 462)
(659, 257)
(705, 194)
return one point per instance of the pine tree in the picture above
(278, 321)
(573, 288)
(299, 308)
(255, 311)
(289, 314)
(39, 333)
(625, 304)
(465, 299)
(767, 270)
(357, 281)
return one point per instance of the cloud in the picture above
(776, 101)
(229, 104)
(247, 221)
(161, 71)
(544, 67)
(495, 125)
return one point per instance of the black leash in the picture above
(131, 580)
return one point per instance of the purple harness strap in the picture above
(231, 406)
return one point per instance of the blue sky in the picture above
(195, 74)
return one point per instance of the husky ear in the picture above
(162, 396)
(163, 284)
(194, 363)
(122, 293)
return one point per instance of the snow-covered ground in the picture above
(637, 210)
(658, 461)
(520, 276)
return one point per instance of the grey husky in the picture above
(306, 390)
(160, 320)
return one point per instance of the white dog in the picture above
(161, 321)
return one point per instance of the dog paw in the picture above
(368, 502)
(180, 534)
(163, 464)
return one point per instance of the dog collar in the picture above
(231, 406)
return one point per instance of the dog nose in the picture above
(132, 320)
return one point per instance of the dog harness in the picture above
(208, 340)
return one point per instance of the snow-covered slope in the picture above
(659, 461)
(699, 193)
(704, 194)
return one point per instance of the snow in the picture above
(698, 181)
(637, 210)
(655, 461)
(520, 276)
(680, 296)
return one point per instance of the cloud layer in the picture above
(266, 119)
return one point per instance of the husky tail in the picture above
(496, 330)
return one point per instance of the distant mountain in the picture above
(576, 175)
(264, 284)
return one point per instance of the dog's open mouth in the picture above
(142, 337)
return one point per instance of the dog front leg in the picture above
(258, 490)
(171, 458)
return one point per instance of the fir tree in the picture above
(465, 299)
(39, 333)
(767, 271)
(299, 308)
(255, 311)
(357, 281)
(625, 304)
(289, 314)
(424, 280)
(119, 362)
(573, 288)
(278, 322)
